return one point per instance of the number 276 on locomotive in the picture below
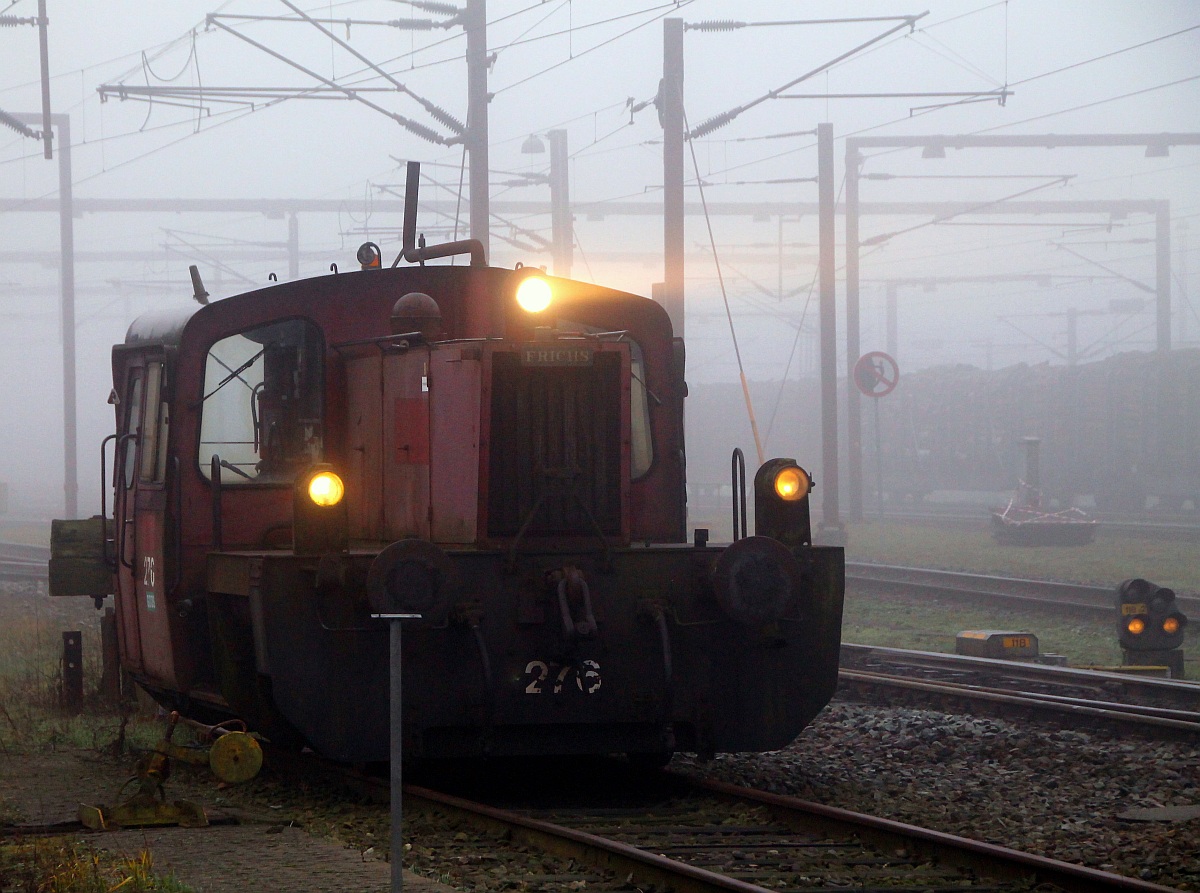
(498, 451)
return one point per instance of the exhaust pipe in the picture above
(413, 254)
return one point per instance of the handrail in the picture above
(216, 502)
(739, 490)
(118, 483)
(177, 489)
(111, 562)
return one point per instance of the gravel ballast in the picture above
(1047, 790)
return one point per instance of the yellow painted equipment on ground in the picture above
(230, 753)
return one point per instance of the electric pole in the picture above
(831, 523)
(563, 239)
(66, 238)
(670, 110)
(854, 482)
(475, 24)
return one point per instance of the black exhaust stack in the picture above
(413, 254)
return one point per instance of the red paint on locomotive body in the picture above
(517, 478)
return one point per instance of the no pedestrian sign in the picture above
(876, 374)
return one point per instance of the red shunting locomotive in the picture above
(498, 451)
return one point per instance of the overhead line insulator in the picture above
(444, 117)
(420, 130)
(717, 25)
(415, 24)
(716, 123)
(448, 9)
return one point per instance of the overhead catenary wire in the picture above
(1045, 74)
(672, 7)
(726, 117)
(725, 297)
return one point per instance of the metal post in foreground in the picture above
(878, 463)
(397, 729)
(72, 671)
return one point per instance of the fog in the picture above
(985, 289)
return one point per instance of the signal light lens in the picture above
(791, 483)
(1136, 625)
(534, 294)
(326, 489)
(1171, 625)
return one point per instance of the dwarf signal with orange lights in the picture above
(1148, 617)
(1150, 625)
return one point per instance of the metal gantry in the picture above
(934, 146)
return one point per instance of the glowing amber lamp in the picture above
(792, 483)
(1171, 625)
(534, 294)
(326, 488)
(1136, 626)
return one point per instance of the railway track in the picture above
(696, 836)
(599, 827)
(20, 563)
(1176, 527)
(1046, 593)
(1156, 707)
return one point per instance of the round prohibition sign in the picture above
(876, 374)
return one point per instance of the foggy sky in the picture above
(557, 68)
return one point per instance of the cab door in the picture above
(141, 504)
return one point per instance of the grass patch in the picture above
(31, 627)
(1105, 562)
(931, 624)
(62, 865)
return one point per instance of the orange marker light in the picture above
(1136, 625)
(791, 484)
(1171, 625)
(326, 489)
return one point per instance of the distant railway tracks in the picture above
(698, 836)
(1150, 706)
(21, 563)
(1183, 528)
(1041, 593)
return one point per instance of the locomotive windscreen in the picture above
(555, 447)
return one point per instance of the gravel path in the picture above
(264, 852)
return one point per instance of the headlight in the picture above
(326, 488)
(792, 483)
(534, 294)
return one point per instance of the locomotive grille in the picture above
(555, 447)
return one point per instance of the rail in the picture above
(1092, 599)
(711, 836)
(21, 563)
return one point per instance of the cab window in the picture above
(154, 434)
(641, 454)
(262, 411)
